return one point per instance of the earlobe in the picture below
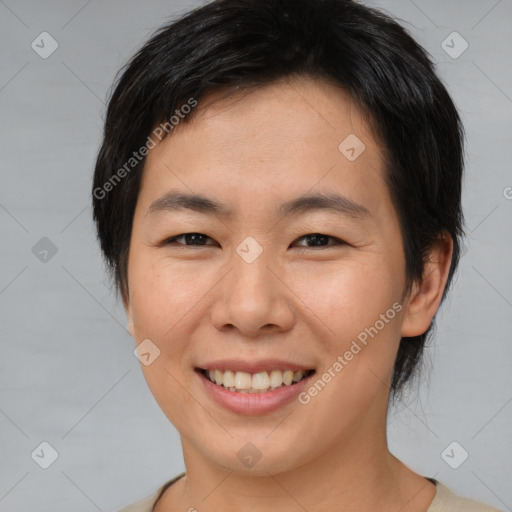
(426, 295)
(130, 327)
(129, 317)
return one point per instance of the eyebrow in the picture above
(177, 201)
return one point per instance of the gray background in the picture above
(68, 374)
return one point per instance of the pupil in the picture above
(317, 239)
(193, 236)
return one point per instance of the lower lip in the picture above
(253, 404)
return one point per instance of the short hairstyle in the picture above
(240, 44)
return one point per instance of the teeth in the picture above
(276, 378)
(298, 375)
(260, 380)
(228, 379)
(244, 382)
(287, 377)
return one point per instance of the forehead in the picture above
(274, 142)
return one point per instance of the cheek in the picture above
(161, 294)
(353, 310)
(346, 299)
(359, 347)
(161, 297)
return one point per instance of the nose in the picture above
(253, 299)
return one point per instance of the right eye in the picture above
(193, 238)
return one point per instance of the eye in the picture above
(318, 239)
(193, 238)
(199, 239)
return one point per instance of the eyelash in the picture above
(338, 241)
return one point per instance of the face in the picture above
(260, 283)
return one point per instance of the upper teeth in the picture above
(254, 382)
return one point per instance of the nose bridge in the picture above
(251, 293)
(251, 279)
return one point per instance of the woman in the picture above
(278, 198)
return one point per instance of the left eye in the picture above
(316, 239)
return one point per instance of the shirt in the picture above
(445, 500)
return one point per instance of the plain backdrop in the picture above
(68, 374)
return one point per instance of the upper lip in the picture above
(252, 366)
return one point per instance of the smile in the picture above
(261, 382)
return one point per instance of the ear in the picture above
(426, 295)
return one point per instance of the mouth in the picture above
(254, 383)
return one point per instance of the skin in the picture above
(296, 301)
